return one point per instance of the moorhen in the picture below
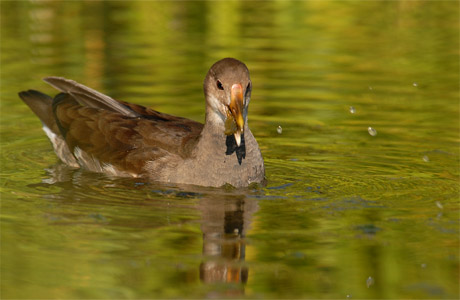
(93, 131)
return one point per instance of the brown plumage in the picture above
(93, 131)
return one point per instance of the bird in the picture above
(95, 132)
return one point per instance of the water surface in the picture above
(348, 212)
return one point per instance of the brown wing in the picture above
(101, 138)
(86, 96)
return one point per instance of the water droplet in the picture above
(279, 130)
(439, 205)
(369, 281)
(372, 131)
(426, 158)
(415, 84)
(423, 266)
(348, 296)
(352, 110)
(370, 88)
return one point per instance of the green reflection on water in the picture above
(340, 206)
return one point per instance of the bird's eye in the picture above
(219, 85)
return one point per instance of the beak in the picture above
(236, 110)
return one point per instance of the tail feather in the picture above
(42, 106)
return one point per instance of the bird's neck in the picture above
(213, 118)
(213, 131)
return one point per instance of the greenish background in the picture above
(344, 214)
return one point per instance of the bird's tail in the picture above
(42, 106)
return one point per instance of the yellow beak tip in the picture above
(238, 138)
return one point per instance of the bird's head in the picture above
(227, 88)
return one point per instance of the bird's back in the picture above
(91, 130)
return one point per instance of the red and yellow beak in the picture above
(235, 121)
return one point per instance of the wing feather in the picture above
(87, 96)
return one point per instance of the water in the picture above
(340, 206)
(369, 281)
(372, 131)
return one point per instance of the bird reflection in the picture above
(225, 218)
(224, 225)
